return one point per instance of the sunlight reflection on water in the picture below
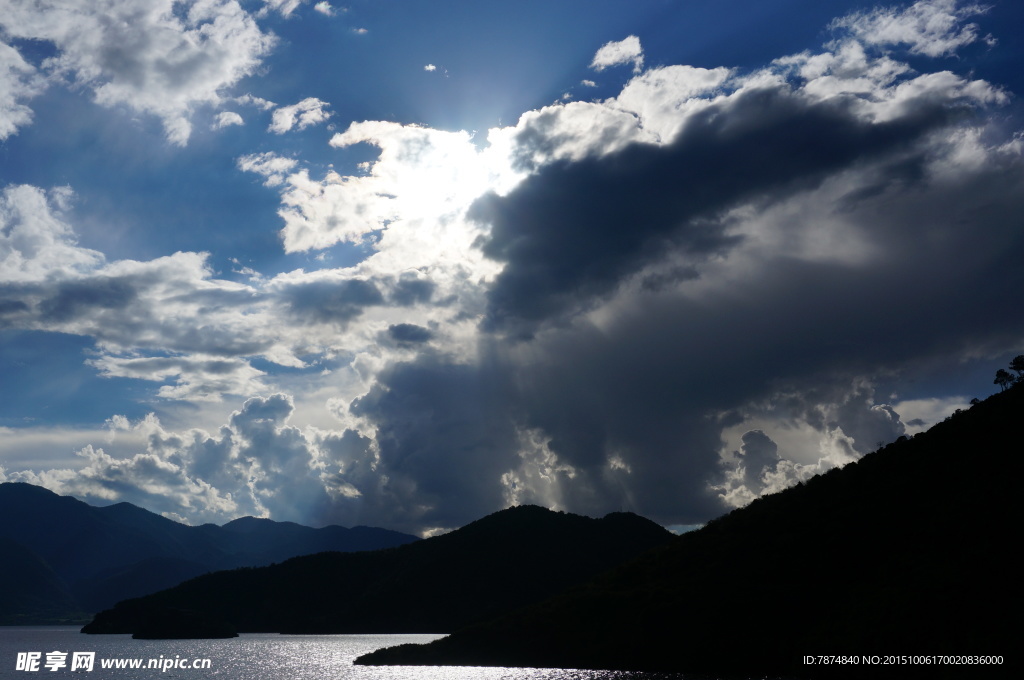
(260, 657)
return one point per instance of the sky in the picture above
(404, 263)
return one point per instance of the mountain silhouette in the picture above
(507, 559)
(74, 559)
(908, 551)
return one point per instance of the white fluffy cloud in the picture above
(309, 111)
(197, 377)
(933, 28)
(284, 7)
(226, 119)
(35, 244)
(19, 82)
(325, 8)
(625, 51)
(148, 55)
(273, 167)
(255, 464)
(792, 437)
(663, 98)
(421, 174)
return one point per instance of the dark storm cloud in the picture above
(445, 437)
(768, 264)
(409, 291)
(572, 231)
(80, 298)
(758, 454)
(331, 301)
(635, 407)
(409, 334)
(648, 383)
(11, 307)
(157, 365)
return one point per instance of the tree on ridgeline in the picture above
(1017, 365)
(1003, 379)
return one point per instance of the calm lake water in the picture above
(252, 657)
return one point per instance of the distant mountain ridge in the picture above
(908, 551)
(503, 561)
(94, 556)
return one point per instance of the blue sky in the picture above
(405, 263)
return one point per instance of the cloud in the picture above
(325, 8)
(144, 479)
(25, 448)
(668, 301)
(664, 260)
(600, 166)
(759, 456)
(19, 82)
(441, 434)
(920, 414)
(309, 111)
(137, 312)
(73, 299)
(172, 322)
(227, 118)
(258, 102)
(256, 464)
(625, 51)
(197, 378)
(268, 164)
(560, 232)
(34, 242)
(409, 333)
(284, 7)
(411, 289)
(934, 28)
(815, 428)
(143, 55)
(429, 67)
(644, 303)
(664, 99)
(329, 299)
(421, 174)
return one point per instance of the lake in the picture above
(248, 657)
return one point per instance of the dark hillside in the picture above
(507, 559)
(906, 552)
